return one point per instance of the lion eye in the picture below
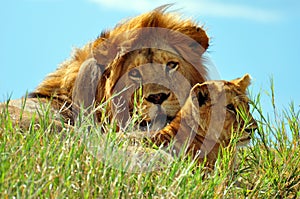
(172, 65)
(231, 107)
(135, 74)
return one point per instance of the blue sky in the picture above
(259, 37)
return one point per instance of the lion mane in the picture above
(156, 37)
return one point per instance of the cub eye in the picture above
(172, 65)
(231, 107)
(135, 74)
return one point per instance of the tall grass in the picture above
(38, 163)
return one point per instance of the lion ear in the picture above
(200, 94)
(243, 82)
(199, 35)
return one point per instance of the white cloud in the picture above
(198, 7)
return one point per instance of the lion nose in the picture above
(157, 98)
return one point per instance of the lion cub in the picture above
(214, 112)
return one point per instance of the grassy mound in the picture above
(85, 163)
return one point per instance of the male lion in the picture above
(214, 113)
(157, 51)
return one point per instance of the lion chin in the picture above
(157, 120)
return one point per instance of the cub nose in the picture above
(252, 128)
(158, 98)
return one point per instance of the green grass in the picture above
(42, 164)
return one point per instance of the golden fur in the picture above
(153, 39)
(215, 112)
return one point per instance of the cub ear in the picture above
(200, 94)
(243, 82)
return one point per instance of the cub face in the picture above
(221, 110)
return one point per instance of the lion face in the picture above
(222, 110)
(158, 55)
(164, 78)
